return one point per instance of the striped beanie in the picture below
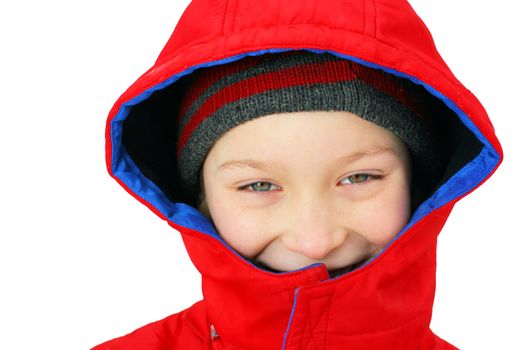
(219, 98)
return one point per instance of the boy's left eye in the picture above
(259, 186)
(358, 178)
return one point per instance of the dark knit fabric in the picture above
(222, 97)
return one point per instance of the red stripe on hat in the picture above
(313, 73)
(204, 79)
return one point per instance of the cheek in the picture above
(385, 216)
(240, 230)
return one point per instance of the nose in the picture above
(314, 231)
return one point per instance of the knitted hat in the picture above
(221, 97)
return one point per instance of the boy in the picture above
(309, 153)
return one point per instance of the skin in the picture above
(294, 189)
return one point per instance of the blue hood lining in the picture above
(124, 168)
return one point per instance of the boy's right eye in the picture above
(259, 186)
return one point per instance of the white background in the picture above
(81, 261)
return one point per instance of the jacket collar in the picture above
(384, 304)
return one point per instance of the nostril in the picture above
(315, 246)
(315, 250)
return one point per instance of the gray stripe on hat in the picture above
(351, 96)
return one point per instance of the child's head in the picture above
(289, 190)
(303, 158)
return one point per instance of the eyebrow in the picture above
(372, 152)
(248, 163)
(255, 164)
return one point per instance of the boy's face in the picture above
(290, 190)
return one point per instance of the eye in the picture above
(360, 178)
(259, 186)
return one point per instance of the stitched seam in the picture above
(413, 53)
(307, 329)
(386, 330)
(319, 323)
(224, 17)
(375, 18)
(310, 328)
(234, 15)
(328, 310)
(363, 30)
(183, 321)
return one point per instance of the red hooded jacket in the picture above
(385, 304)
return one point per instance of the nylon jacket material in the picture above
(385, 304)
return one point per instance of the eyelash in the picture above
(242, 188)
(369, 177)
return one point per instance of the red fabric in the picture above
(385, 305)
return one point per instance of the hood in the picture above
(388, 301)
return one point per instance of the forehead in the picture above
(272, 164)
(303, 137)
